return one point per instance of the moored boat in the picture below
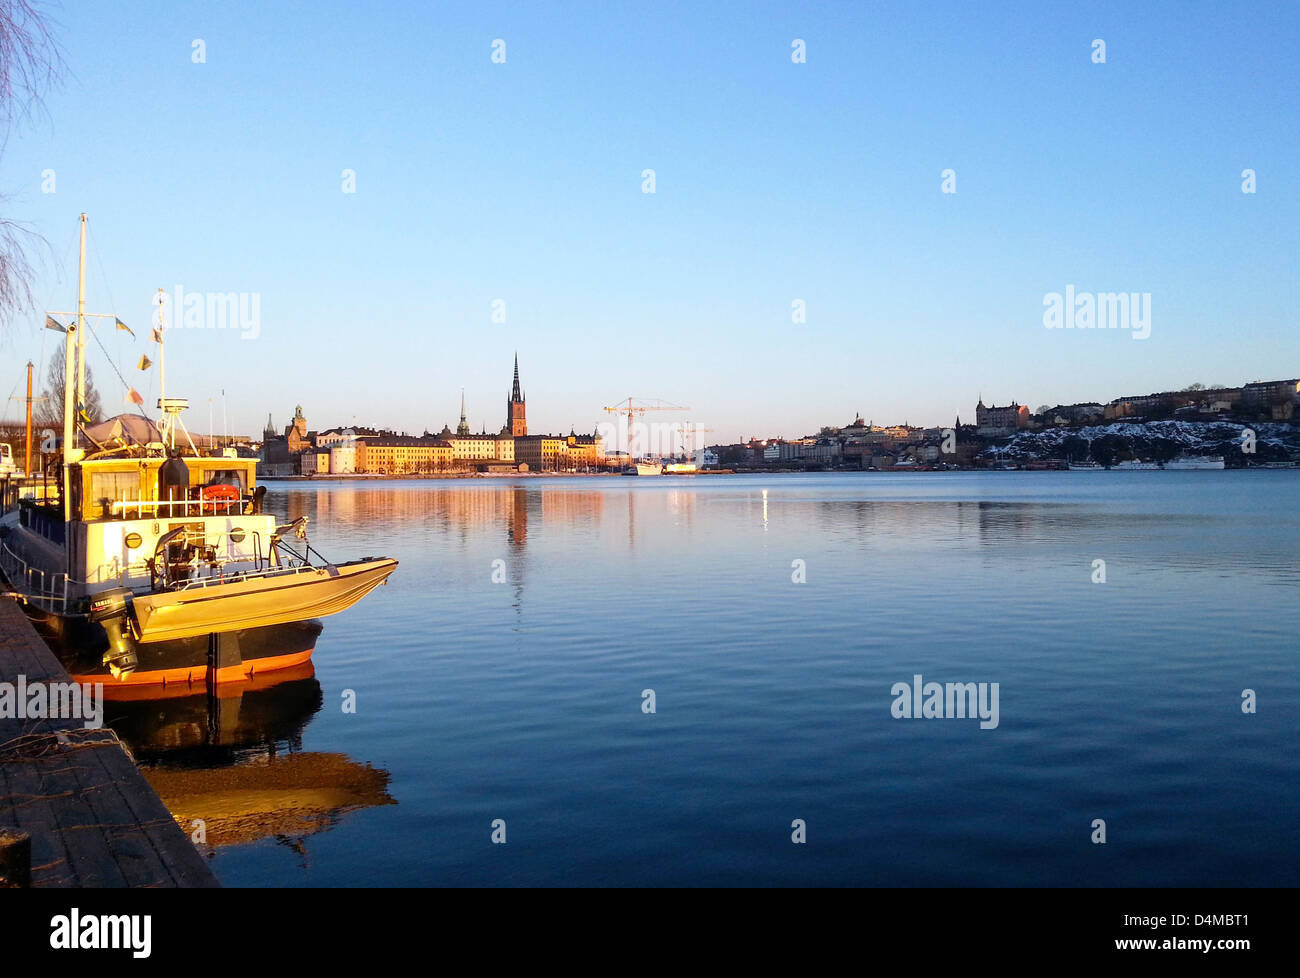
(644, 468)
(143, 543)
(1196, 462)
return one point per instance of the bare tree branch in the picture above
(30, 61)
(30, 64)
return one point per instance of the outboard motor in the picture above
(174, 483)
(112, 609)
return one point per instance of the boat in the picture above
(1085, 467)
(1196, 462)
(1133, 465)
(644, 468)
(8, 468)
(680, 468)
(149, 544)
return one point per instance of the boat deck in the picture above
(93, 819)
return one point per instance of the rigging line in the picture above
(5, 413)
(59, 267)
(58, 281)
(103, 276)
(138, 407)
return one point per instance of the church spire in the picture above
(516, 421)
(463, 427)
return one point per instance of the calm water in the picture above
(522, 700)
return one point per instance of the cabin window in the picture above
(107, 488)
(225, 477)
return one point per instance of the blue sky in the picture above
(775, 181)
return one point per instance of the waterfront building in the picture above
(333, 436)
(273, 459)
(516, 417)
(584, 451)
(343, 457)
(1073, 413)
(477, 451)
(314, 461)
(295, 435)
(995, 422)
(857, 429)
(536, 453)
(1276, 398)
(402, 455)
(469, 450)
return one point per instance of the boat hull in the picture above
(256, 602)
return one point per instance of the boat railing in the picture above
(9, 493)
(143, 508)
(39, 587)
(51, 591)
(247, 575)
(205, 547)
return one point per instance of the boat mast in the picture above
(81, 322)
(166, 421)
(71, 336)
(27, 463)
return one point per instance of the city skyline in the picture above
(798, 261)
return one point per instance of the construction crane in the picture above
(634, 406)
(690, 430)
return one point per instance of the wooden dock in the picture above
(92, 818)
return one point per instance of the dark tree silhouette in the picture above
(50, 411)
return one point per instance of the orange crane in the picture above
(634, 406)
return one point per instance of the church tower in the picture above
(463, 427)
(516, 420)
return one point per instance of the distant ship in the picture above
(644, 468)
(1196, 462)
(1085, 467)
(1133, 465)
(680, 468)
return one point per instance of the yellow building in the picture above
(402, 455)
(472, 449)
(540, 452)
(314, 461)
(584, 451)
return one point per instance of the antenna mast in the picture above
(81, 322)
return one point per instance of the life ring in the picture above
(220, 494)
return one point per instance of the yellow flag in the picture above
(145, 363)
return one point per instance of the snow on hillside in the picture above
(1150, 437)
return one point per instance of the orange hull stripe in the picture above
(190, 675)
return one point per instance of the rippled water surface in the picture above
(522, 700)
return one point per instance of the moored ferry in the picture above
(154, 550)
(644, 468)
(151, 561)
(1196, 462)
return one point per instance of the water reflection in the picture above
(545, 522)
(228, 760)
